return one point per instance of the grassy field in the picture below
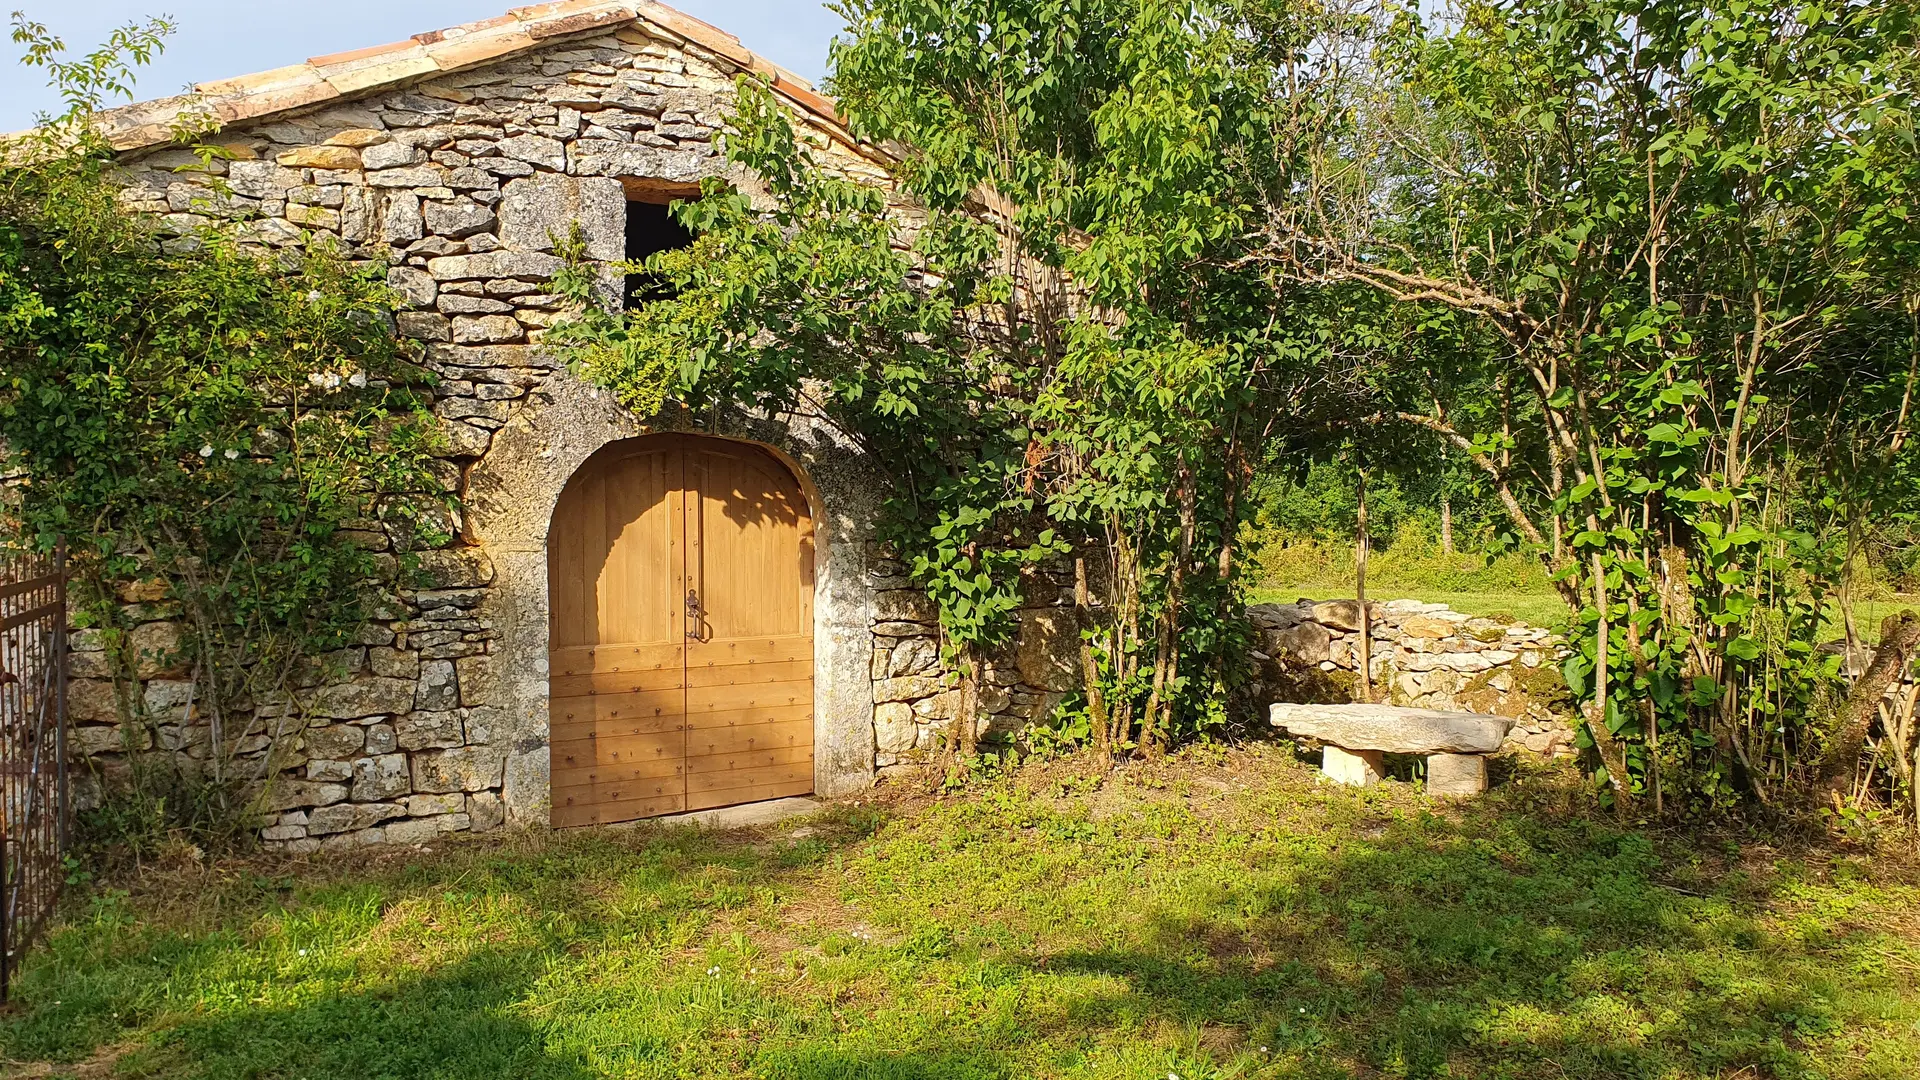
(1534, 608)
(1217, 915)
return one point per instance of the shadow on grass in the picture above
(1480, 948)
(1008, 934)
(392, 965)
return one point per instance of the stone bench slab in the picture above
(1394, 729)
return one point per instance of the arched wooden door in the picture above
(680, 585)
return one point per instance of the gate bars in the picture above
(35, 805)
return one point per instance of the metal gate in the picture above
(34, 801)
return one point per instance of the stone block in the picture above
(433, 805)
(350, 841)
(367, 697)
(342, 741)
(455, 568)
(1338, 614)
(381, 739)
(262, 179)
(485, 810)
(402, 221)
(429, 730)
(914, 656)
(894, 727)
(1456, 774)
(314, 217)
(458, 219)
(416, 285)
(1355, 768)
(320, 157)
(537, 211)
(438, 686)
(359, 138)
(537, 150)
(938, 707)
(421, 830)
(475, 680)
(383, 777)
(1048, 646)
(92, 700)
(338, 772)
(910, 688)
(471, 768)
(1392, 728)
(1301, 643)
(168, 700)
(158, 651)
(394, 663)
(285, 793)
(471, 305)
(418, 176)
(486, 329)
(390, 155)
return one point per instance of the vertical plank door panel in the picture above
(616, 661)
(750, 560)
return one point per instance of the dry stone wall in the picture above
(459, 184)
(1424, 655)
(916, 698)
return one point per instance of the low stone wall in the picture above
(1425, 655)
(916, 697)
(396, 740)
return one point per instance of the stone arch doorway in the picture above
(680, 638)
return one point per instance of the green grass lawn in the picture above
(1217, 915)
(1544, 608)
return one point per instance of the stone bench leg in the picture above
(1357, 768)
(1456, 774)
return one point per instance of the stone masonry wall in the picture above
(916, 698)
(1424, 655)
(459, 184)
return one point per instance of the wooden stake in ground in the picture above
(1446, 524)
(1365, 685)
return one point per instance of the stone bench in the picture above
(1354, 736)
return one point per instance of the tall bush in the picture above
(208, 427)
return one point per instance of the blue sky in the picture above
(219, 39)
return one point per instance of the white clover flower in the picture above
(233, 455)
(206, 451)
(315, 296)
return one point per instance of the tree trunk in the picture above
(1612, 754)
(966, 733)
(1364, 685)
(1089, 665)
(1899, 636)
(1446, 524)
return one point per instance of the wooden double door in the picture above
(680, 585)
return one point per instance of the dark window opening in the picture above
(651, 229)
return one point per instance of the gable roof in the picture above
(344, 75)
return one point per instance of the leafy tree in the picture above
(1041, 339)
(1685, 233)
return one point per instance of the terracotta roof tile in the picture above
(384, 69)
(454, 33)
(492, 43)
(352, 55)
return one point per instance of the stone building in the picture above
(641, 615)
